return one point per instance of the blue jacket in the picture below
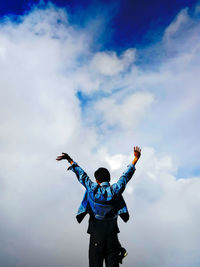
(105, 202)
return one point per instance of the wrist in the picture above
(134, 161)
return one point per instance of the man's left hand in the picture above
(65, 156)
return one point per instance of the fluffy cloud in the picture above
(44, 63)
(127, 113)
(178, 24)
(109, 64)
(164, 213)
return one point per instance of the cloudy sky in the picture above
(95, 78)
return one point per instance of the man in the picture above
(104, 202)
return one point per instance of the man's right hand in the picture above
(137, 154)
(65, 156)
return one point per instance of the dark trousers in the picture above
(104, 248)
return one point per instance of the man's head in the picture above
(102, 175)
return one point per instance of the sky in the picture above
(93, 79)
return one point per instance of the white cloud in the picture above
(127, 113)
(178, 24)
(164, 212)
(108, 63)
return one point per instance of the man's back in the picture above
(102, 200)
(104, 203)
(105, 196)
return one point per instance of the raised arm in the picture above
(80, 173)
(120, 186)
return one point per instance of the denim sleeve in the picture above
(120, 186)
(81, 176)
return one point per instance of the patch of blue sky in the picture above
(154, 53)
(87, 100)
(11, 17)
(151, 56)
(126, 23)
(91, 117)
(140, 23)
(16, 7)
(86, 104)
(83, 99)
(187, 172)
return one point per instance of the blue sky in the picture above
(128, 23)
(95, 78)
